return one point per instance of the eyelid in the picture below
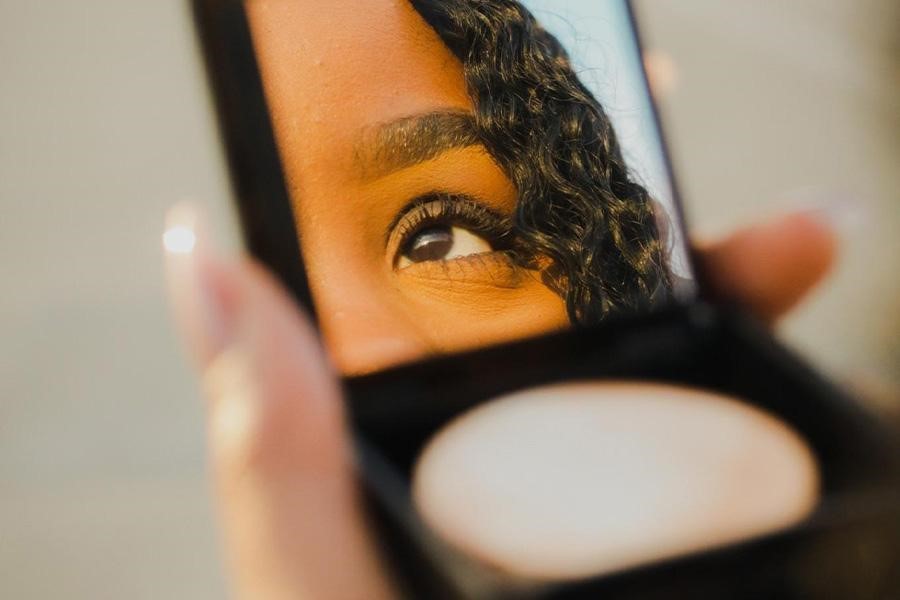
(453, 209)
(440, 198)
(490, 270)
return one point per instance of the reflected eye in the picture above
(441, 242)
(444, 227)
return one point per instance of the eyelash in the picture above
(455, 210)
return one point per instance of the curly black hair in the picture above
(579, 210)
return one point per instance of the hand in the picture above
(281, 457)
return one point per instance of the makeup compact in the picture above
(724, 421)
(473, 199)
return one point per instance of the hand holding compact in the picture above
(280, 451)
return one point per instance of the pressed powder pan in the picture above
(576, 479)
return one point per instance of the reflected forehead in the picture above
(332, 75)
(407, 141)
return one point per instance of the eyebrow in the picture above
(409, 141)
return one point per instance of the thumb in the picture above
(771, 266)
(281, 458)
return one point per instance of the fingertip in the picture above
(281, 454)
(274, 400)
(815, 240)
(770, 267)
(199, 284)
(269, 388)
(803, 246)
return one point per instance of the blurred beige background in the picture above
(771, 99)
(104, 122)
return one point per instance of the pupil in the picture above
(430, 244)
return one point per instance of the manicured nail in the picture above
(232, 388)
(842, 211)
(196, 283)
(662, 72)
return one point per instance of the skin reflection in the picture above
(424, 229)
(579, 479)
(373, 121)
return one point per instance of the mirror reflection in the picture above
(466, 173)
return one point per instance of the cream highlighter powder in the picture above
(573, 480)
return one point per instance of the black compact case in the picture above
(848, 548)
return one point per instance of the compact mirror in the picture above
(437, 178)
(463, 174)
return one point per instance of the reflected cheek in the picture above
(470, 315)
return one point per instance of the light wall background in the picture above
(104, 123)
(792, 104)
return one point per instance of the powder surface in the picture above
(580, 479)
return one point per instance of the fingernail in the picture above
(842, 211)
(662, 72)
(196, 283)
(231, 385)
